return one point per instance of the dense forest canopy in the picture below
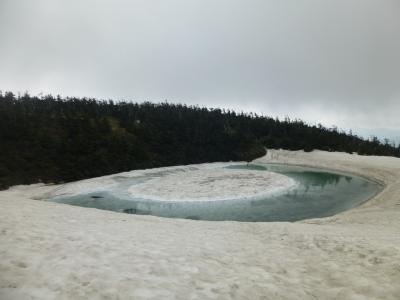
(55, 139)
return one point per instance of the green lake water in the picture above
(318, 193)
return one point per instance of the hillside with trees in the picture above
(54, 139)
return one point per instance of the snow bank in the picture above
(56, 251)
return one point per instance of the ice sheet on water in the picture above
(204, 182)
(211, 185)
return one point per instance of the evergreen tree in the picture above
(56, 139)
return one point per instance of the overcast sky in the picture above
(332, 61)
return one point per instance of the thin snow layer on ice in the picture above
(212, 185)
(55, 251)
(109, 182)
(202, 182)
(84, 187)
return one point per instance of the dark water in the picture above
(318, 194)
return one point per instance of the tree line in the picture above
(57, 139)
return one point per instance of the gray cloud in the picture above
(334, 61)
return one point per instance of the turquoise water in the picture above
(318, 194)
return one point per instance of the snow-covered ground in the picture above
(56, 251)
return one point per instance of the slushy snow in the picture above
(212, 185)
(204, 182)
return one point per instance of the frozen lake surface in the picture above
(230, 191)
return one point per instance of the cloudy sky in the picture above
(332, 61)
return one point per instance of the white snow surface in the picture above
(55, 251)
(212, 184)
